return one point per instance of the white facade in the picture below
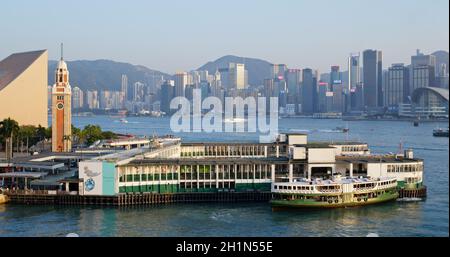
(298, 139)
(321, 155)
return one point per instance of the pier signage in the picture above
(98, 177)
(91, 173)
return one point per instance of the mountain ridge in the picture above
(104, 74)
(258, 69)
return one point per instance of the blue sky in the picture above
(173, 35)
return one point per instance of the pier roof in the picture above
(209, 161)
(53, 180)
(347, 143)
(376, 159)
(35, 175)
(240, 143)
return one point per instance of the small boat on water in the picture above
(439, 132)
(341, 129)
(336, 193)
(3, 198)
(123, 120)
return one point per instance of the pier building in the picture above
(174, 167)
(168, 166)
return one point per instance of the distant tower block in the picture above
(61, 109)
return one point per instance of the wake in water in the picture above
(300, 130)
(329, 131)
(128, 122)
(409, 199)
(316, 130)
(222, 217)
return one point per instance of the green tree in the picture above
(108, 135)
(27, 135)
(76, 134)
(92, 133)
(9, 128)
(40, 132)
(48, 133)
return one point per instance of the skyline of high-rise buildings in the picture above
(363, 86)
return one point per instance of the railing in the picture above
(35, 192)
(24, 192)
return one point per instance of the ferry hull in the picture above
(280, 204)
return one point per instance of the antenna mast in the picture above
(62, 51)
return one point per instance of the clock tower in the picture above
(61, 109)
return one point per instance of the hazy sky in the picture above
(183, 35)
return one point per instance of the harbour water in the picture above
(416, 217)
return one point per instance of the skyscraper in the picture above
(322, 97)
(338, 98)
(277, 70)
(237, 75)
(124, 86)
(442, 79)
(354, 76)
(268, 87)
(92, 99)
(422, 59)
(224, 77)
(293, 80)
(180, 83)
(423, 71)
(77, 98)
(167, 93)
(372, 72)
(335, 76)
(308, 89)
(194, 78)
(397, 87)
(139, 92)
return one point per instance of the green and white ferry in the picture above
(334, 193)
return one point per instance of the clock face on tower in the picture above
(60, 106)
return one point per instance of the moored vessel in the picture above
(439, 132)
(335, 193)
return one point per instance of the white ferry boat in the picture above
(338, 192)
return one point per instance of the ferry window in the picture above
(275, 187)
(129, 178)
